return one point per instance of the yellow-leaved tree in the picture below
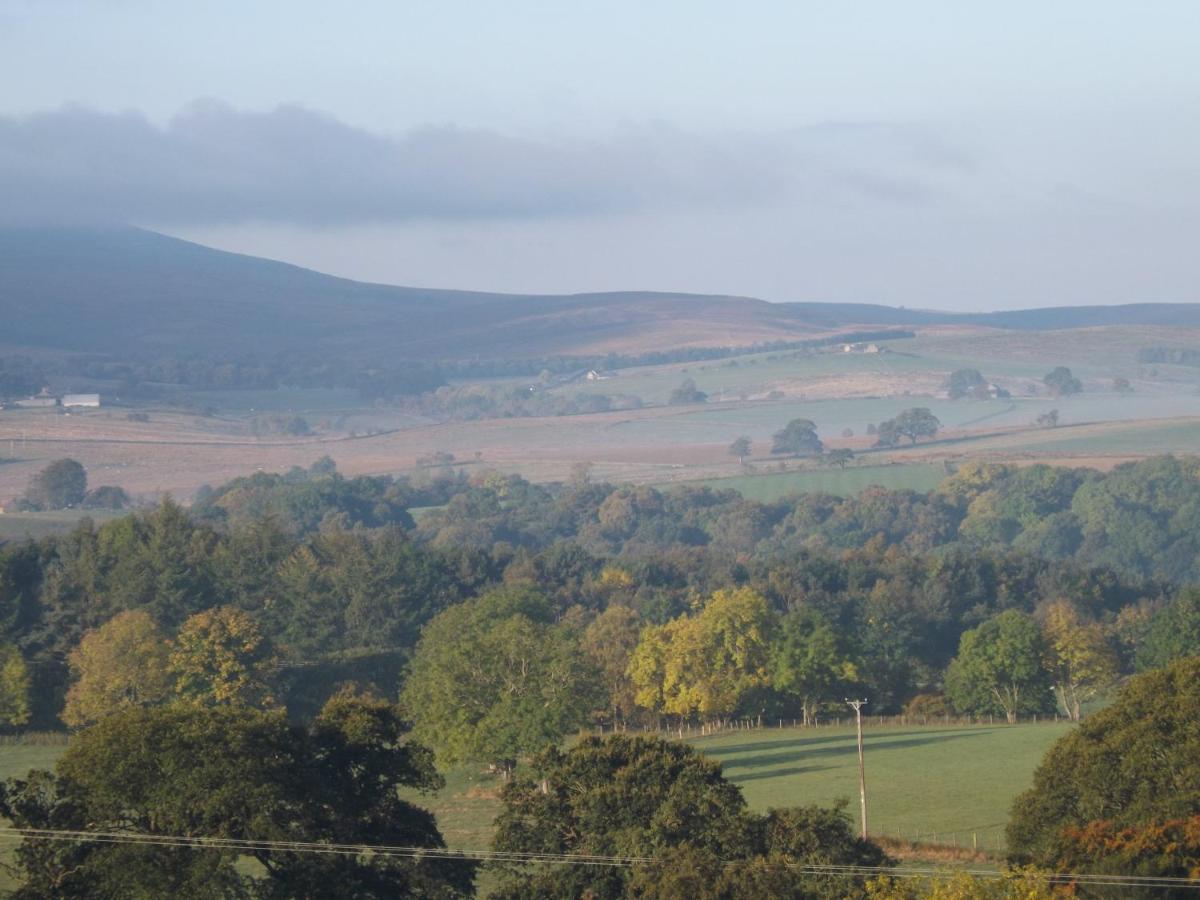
(222, 658)
(122, 663)
(14, 687)
(1081, 662)
(706, 664)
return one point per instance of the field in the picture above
(938, 784)
(18, 526)
(840, 482)
(224, 434)
(942, 784)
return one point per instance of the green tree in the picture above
(839, 456)
(122, 663)
(798, 437)
(632, 796)
(1061, 382)
(965, 383)
(806, 660)
(913, 424)
(609, 642)
(60, 485)
(1174, 632)
(1133, 763)
(494, 679)
(220, 657)
(740, 449)
(999, 668)
(687, 392)
(239, 774)
(15, 687)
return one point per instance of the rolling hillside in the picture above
(125, 291)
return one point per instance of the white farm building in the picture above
(78, 401)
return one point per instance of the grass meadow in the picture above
(949, 784)
(770, 486)
(938, 784)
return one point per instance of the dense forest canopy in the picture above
(341, 580)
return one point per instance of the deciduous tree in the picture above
(1078, 656)
(494, 679)
(630, 796)
(609, 642)
(740, 449)
(122, 663)
(15, 687)
(913, 424)
(999, 668)
(60, 485)
(221, 658)
(707, 663)
(806, 660)
(1174, 632)
(798, 437)
(1061, 382)
(241, 774)
(1131, 765)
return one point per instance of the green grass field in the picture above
(938, 784)
(20, 525)
(942, 784)
(945, 783)
(847, 482)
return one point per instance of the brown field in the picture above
(177, 453)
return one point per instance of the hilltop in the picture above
(127, 291)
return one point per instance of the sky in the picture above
(932, 153)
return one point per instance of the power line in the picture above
(244, 844)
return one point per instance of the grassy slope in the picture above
(843, 482)
(21, 525)
(944, 782)
(936, 780)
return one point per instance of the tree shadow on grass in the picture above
(776, 773)
(871, 735)
(796, 754)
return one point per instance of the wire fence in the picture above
(703, 728)
(985, 839)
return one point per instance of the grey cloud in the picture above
(212, 164)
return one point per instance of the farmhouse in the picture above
(81, 401)
(35, 402)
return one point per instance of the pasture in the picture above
(770, 486)
(755, 394)
(21, 525)
(938, 784)
(942, 784)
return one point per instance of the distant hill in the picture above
(123, 291)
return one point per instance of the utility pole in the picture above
(857, 705)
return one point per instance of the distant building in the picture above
(35, 402)
(594, 375)
(861, 348)
(76, 401)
